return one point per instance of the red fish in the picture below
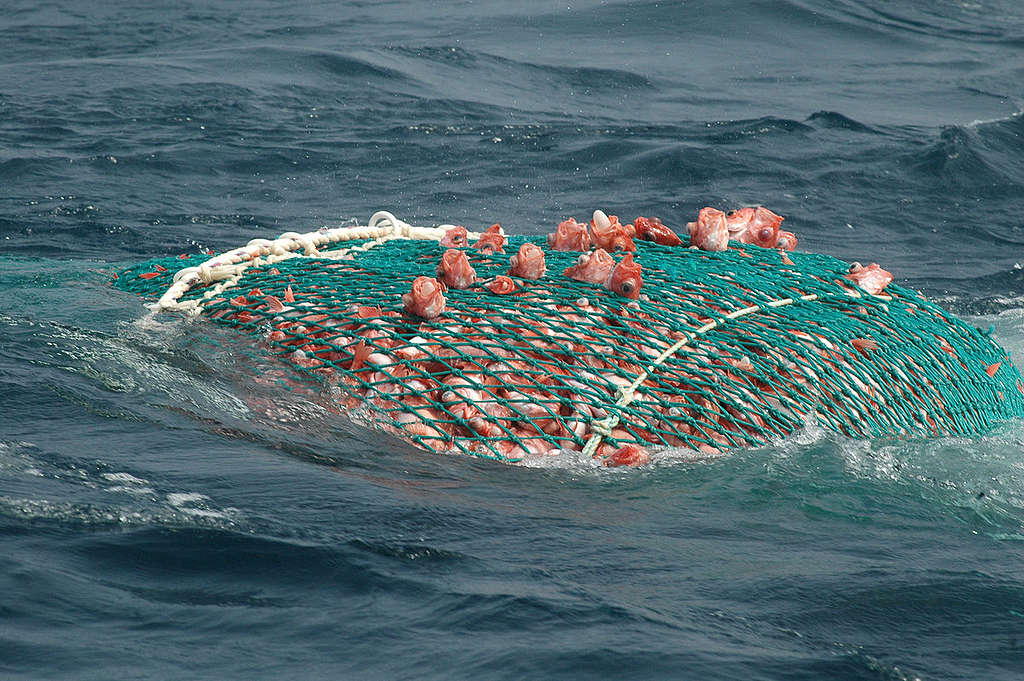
(627, 455)
(425, 299)
(528, 263)
(625, 279)
(710, 232)
(738, 220)
(359, 355)
(594, 267)
(872, 278)
(570, 236)
(786, 241)
(758, 226)
(651, 229)
(492, 241)
(456, 237)
(501, 285)
(864, 345)
(609, 234)
(274, 304)
(454, 269)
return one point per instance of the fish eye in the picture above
(627, 287)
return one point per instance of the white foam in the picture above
(1002, 119)
(185, 502)
(136, 491)
(125, 478)
(181, 498)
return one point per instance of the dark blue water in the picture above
(167, 515)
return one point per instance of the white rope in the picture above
(225, 270)
(625, 395)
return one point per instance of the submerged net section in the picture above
(722, 349)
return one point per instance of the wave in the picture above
(964, 158)
(985, 21)
(837, 121)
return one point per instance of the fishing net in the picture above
(722, 349)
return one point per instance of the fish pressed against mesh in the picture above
(723, 350)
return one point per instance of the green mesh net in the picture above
(723, 349)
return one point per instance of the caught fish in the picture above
(492, 241)
(426, 299)
(528, 263)
(627, 455)
(710, 232)
(786, 241)
(570, 236)
(758, 226)
(609, 234)
(625, 278)
(454, 269)
(652, 229)
(594, 267)
(872, 278)
(456, 237)
(501, 285)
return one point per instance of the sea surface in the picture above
(165, 515)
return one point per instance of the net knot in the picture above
(624, 395)
(604, 426)
(205, 272)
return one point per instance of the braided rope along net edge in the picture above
(722, 350)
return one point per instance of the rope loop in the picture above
(228, 267)
(185, 272)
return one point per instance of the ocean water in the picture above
(165, 514)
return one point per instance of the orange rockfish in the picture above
(609, 234)
(454, 269)
(872, 278)
(625, 278)
(594, 268)
(758, 226)
(787, 241)
(710, 232)
(651, 229)
(426, 298)
(492, 241)
(528, 263)
(570, 236)
(456, 237)
(500, 285)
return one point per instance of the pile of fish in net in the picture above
(605, 338)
